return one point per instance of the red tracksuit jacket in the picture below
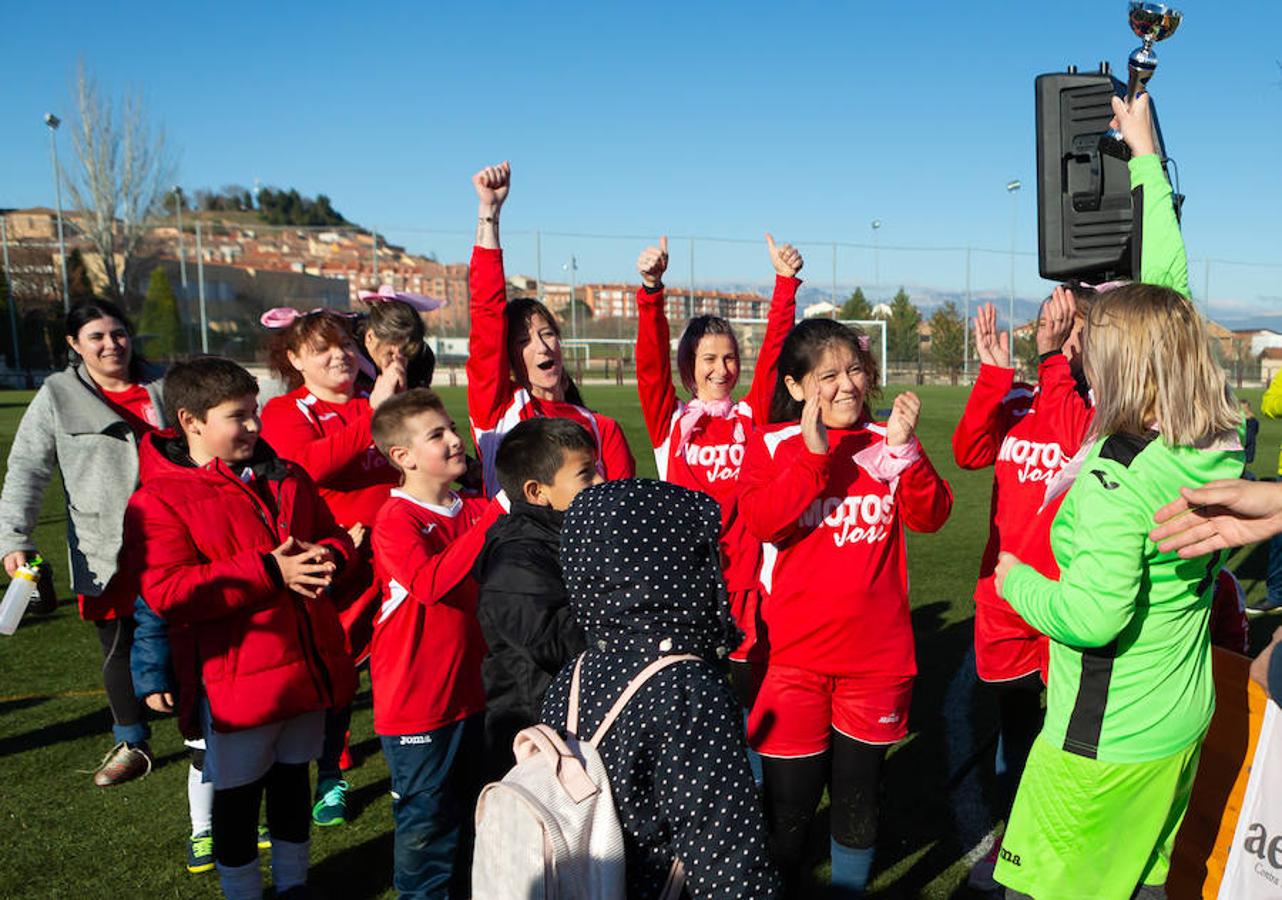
(259, 652)
(714, 455)
(834, 570)
(495, 403)
(425, 661)
(1027, 435)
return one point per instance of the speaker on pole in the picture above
(1087, 219)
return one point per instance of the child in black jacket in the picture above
(542, 465)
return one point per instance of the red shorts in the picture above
(1007, 647)
(796, 709)
(745, 606)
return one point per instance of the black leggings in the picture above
(337, 723)
(851, 770)
(289, 813)
(117, 638)
(1020, 714)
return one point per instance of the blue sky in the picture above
(807, 119)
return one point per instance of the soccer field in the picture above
(64, 837)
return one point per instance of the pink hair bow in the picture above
(279, 317)
(386, 292)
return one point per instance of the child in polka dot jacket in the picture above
(642, 571)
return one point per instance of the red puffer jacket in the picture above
(200, 538)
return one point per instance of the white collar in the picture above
(448, 511)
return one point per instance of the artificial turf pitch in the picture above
(62, 837)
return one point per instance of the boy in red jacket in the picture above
(235, 551)
(425, 659)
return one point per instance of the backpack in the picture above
(549, 829)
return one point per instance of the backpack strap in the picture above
(572, 715)
(633, 686)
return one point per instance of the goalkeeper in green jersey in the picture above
(1130, 694)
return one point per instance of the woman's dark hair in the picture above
(696, 329)
(519, 312)
(802, 350)
(396, 322)
(318, 329)
(82, 314)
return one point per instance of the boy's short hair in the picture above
(388, 424)
(198, 385)
(535, 450)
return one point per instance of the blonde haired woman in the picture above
(1130, 692)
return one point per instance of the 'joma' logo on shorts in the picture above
(1012, 858)
(415, 739)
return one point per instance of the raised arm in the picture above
(787, 263)
(989, 411)
(1059, 401)
(654, 359)
(488, 373)
(1163, 260)
(775, 491)
(294, 436)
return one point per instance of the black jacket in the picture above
(528, 626)
(643, 571)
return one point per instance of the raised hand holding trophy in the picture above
(1151, 22)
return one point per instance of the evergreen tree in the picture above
(160, 322)
(856, 306)
(901, 328)
(79, 287)
(948, 339)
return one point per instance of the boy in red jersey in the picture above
(830, 491)
(515, 367)
(425, 659)
(236, 551)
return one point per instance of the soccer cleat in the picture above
(200, 852)
(331, 804)
(123, 763)
(264, 838)
(1267, 605)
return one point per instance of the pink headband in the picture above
(1106, 286)
(279, 317)
(387, 292)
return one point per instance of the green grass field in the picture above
(62, 837)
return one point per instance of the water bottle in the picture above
(19, 594)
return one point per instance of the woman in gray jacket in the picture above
(86, 422)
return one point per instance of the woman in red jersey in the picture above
(323, 424)
(699, 443)
(830, 492)
(515, 369)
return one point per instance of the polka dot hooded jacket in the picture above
(642, 570)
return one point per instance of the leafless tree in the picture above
(124, 170)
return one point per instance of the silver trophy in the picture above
(1151, 22)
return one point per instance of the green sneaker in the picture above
(264, 838)
(200, 852)
(331, 803)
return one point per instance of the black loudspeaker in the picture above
(1084, 204)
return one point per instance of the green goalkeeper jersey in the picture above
(1130, 659)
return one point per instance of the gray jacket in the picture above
(70, 426)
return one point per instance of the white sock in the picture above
(241, 882)
(200, 801)
(289, 863)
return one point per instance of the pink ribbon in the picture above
(695, 410)
(886, 463)
(386, 292)
(279, 317)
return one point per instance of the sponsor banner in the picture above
(1254, 869)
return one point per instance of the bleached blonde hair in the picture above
(1147, 356)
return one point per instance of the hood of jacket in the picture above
(642, 568)
(164, 455)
